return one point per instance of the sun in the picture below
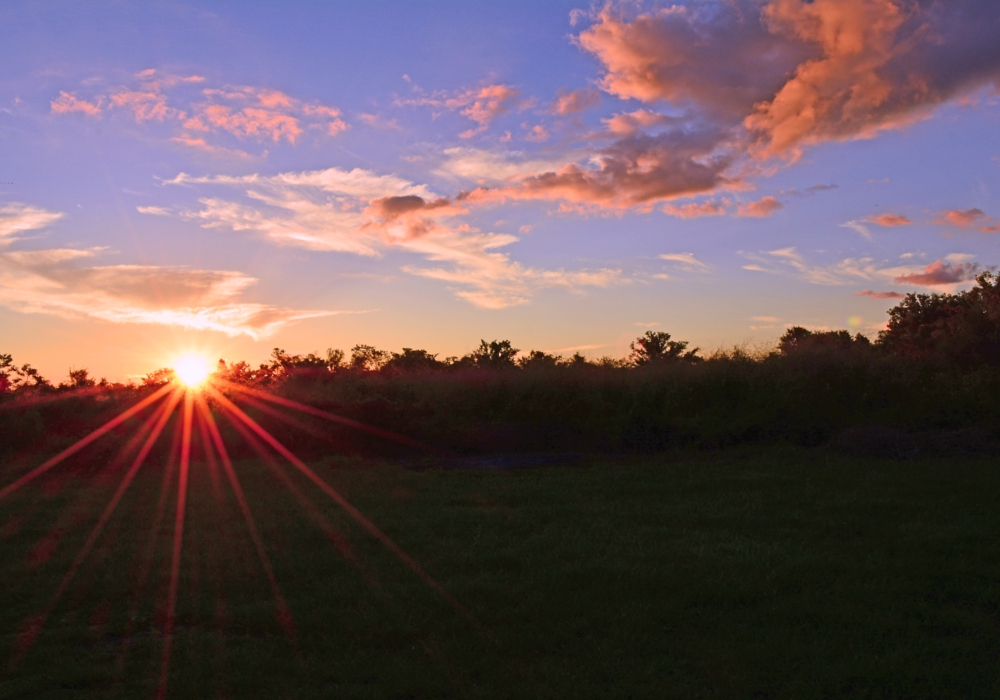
(192, 370)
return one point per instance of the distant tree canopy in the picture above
(962, 328)
(656, 347)
(798, 340)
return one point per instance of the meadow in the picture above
(751, 572)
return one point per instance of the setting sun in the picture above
(192, 370)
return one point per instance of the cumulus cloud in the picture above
(630, 123)
(962, 219)
(889, 220)
(368, 214)
(199, 114)
(796, 72)
(940, 273)
(634, 171)
(576, 101)
(762, 208)
(16, 219)
(58, 282)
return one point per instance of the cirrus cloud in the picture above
(58, 282)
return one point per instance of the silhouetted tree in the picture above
(79, 379)
(412, 361)
(14, 378)
(497, 354)
(159, 377)
(798, 339)
(656, 347)
(536, 359)
(962, 328)
(367, 358)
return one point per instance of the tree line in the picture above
(961, 331)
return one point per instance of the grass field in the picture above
(756, 573)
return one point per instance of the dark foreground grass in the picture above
(765, 573)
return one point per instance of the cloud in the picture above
(889, 220)
(198, 115)
(16, 219)
(67, 103)
(536, 133)
(55, 282)
(941, 273)
(860, 227)
(683, 258)
(634, 171)
(880, 295)
(377, 122)
(575, 102)
(950, 275)
(762, 208)
(145, 106)
(631, 122)
(153, 211)
(490, 167)
(720, 59)
(962, 219)
(481, 105)
(364, 213)
(797, 72)
(694, 211)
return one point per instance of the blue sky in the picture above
(227, 178)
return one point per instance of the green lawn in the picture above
(763, 573)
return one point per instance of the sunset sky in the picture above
(231, 177)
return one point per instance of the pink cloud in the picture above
(955, 217)
(797, 72)
(481, 105)
(146, 106)
(632, 172)
(762, 208)
(632, 122)
(536, 133)
(246, 112)
(67, 103)
(889, 220)
(941, 273)
(880, 295)
(694, 211)
(576, 101)
(253, 123)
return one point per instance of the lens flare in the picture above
(192, 370)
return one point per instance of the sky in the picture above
(227, 178)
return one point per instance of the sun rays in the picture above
(196, 398)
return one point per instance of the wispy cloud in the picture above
(17, 219)
(59, 282)
(364, 213)
(687, 259)
(949, 274)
